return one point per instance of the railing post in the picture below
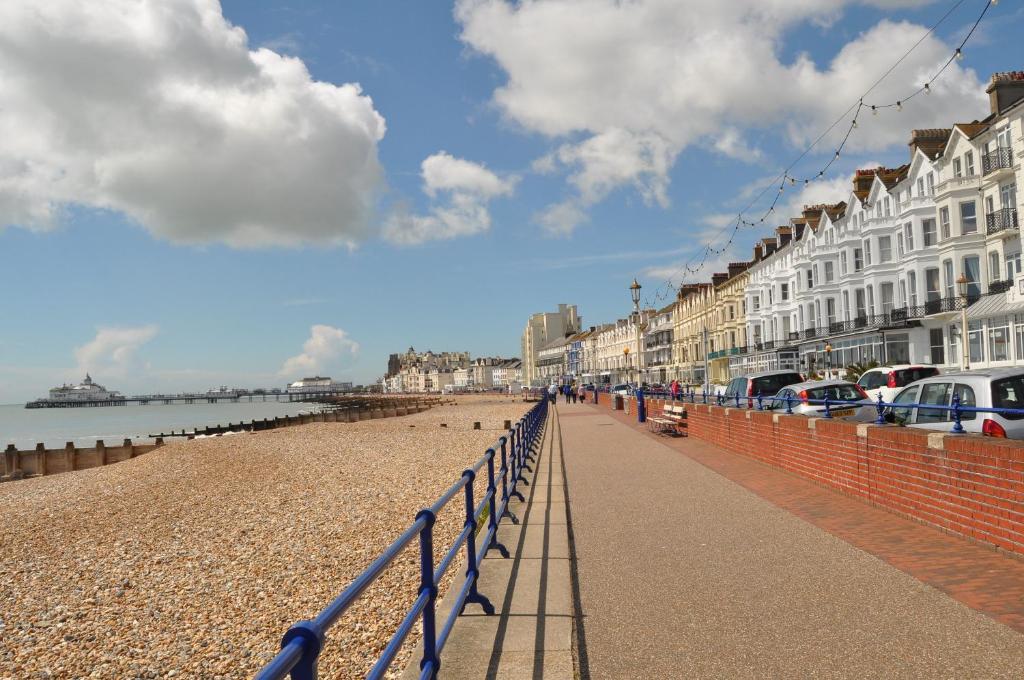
(828, 411)
(517, 443)
(312, 642)
(760, 405)
(958, 427)
(737, 395)
(427, 585)
(492, 489)
(472, 573)
(789, 404)
(881, 411)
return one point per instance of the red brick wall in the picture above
(967, 484)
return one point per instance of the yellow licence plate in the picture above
(840, 413)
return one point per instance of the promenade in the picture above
(691, 562)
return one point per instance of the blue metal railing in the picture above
(301, 645)
(955, 409)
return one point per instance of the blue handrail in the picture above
(302, 643)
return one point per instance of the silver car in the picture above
(989, 388)
(804, 398)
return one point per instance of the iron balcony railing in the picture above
(954, 409)
(1001, 220)
(995, 160)
(301, 645)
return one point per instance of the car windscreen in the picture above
(836, 392)
(1009, 393)
(908, 375)
(771, 384)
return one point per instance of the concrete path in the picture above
(531, 633)
(684, 574)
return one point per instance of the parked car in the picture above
(803, 399)
(889, 380)
(623, 389)
(765, 384)
(990, 388)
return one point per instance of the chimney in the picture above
(719, 278)
(758, 252)
(785, 235)
(737, 268)
(1005, 90)
(770, 246)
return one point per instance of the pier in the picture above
(188, 398)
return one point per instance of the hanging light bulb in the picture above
(854, 126)
(959, 54)
(927, 88)
(807, 182)
(792, 180)
(899, 106)
(837, 154)
(994, 2)
(874, 110)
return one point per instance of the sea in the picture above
(54, 427)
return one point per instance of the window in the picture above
(887, 206)
(829, 271)
(757, 302)
(935, 339)
(846, 305)
(871, 299)
(896, 202)
(830, 310)
(969, 163)
(858, 259)
(899, 245)
(1008, 195)
(810, 279)
(884, 249)
(842, 263)
(974, 341)
(957, 168)
(1013, 267)
(867, 252)
(928, 227)
(1009, 393)
(968, 218)
(930, 181)
(784, 290)
(861, 309)
(903, 293)
(937, 394)
(993, 266)
(887, 300)
(947, 271)
(1003, 138)
(907, 396)
(944, 222)
(912, 287)
(953, 343)
(999, 339)
(972, 269)
(966, 396)
(908, 235)
(920, 186)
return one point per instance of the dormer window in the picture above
(957, 168)
(969, 163)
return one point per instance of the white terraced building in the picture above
(875, 277)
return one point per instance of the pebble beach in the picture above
(192, 561)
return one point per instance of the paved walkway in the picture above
(683, 573)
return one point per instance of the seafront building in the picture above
(887, 273)
(541, 330)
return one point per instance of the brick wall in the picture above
(966, 484)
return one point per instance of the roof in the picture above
(993, 305)
(971, 130)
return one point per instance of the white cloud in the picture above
(325, 346)
(461, 191)
(114, 351)
(161, 111)
(641, 81)
(561, 219)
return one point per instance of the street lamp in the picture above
(828, 360)
(634, 291)
(961, 284)
(625, 361)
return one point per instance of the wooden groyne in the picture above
(18, 464)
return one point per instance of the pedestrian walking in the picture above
(572, 393)
(582, 394)
(674, 388)
(552, 392)
(565, 392)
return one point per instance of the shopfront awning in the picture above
(993, 305)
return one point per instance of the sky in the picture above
(195, 194)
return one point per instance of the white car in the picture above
(889, 380)
(991, 388)
(799, 397)
(624, 389)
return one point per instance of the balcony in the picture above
(997, 160)
(1001, 220)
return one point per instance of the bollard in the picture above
(881, 411)
(641, 407)
(476, 425)
(958, 427)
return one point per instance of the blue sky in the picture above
(160, 226)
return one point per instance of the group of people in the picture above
(571, 393)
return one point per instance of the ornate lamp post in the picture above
(961, 284)
(625, 361)
(634, 291)
(828, 360)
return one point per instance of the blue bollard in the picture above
(881, 411)
(641, 407)
(958, 427)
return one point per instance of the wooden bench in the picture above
(671, 421)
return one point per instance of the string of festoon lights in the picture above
(777, 186)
